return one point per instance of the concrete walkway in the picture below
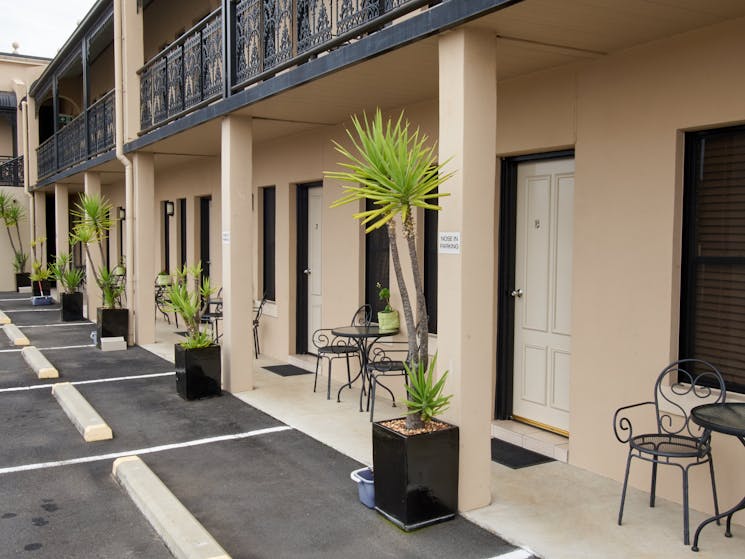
(260, 488)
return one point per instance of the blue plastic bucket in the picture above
(365, 486)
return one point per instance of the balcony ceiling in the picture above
(533, 35)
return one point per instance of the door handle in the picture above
(307, 271)
(517, 293)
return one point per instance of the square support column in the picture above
(143, 263)
(62, 219)
(92, 185)
(237, 253)
(40, 226)
(467, 280)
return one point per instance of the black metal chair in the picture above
(332, 347)
(386, 360)
(678, 441)
(257, 319)
(212, 315)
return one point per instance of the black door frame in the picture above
(506, 277)
(301, 326)
(205, 203)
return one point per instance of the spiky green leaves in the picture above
(425, 392)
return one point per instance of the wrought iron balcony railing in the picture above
(268, 36)
(186, 75)
(11, 171)
(88, 134)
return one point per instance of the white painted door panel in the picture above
(543, 274)
(315, 272)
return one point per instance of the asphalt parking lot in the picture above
(260, 488)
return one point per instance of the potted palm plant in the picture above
(197, 358)
(92, 215)
(12, 214)
(40, 275)
(70, 278)
(415, 459)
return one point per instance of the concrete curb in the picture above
(15, 335)
(4, 318)
(81, 413)
(40, 364)
(182, 533)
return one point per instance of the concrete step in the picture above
(4, 319)
(15, 335)
(183, 534)
(87, 420)
(40, 364)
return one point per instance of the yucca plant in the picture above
(189, 303)
(12, 214)
(395, 167)
(68, 276)
(426, 399)
(92, 215)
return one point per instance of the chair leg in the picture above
(256, 342)
(371, 400)
(315, 379)
(686, 537)
(714, 488)
(328, 384)
(654, 485)
(349, 374)
(625, 485)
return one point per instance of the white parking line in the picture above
(150, 450)
(17, 299)
(31, 310)
(93, 381)
(56, 325)
(50, 348)
(516, 554)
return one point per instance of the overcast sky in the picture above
(41, 27)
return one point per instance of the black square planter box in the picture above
(23, 280)
(45, 285)
(416, 476)
(111, 323)
(72, 306)
(198, 372)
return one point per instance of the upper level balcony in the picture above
(85, 136)
(11, 171)
(257, 39)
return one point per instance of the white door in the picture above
(314, 271)
(543, 293)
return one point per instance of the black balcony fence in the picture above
(11, 171)
(268, 36)
(87, 135)
(187, 74)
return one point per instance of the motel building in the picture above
(593, 232)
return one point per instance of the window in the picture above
(713, 268)
(182, 232)
(376, 264)
(430, 267)
(269, 204)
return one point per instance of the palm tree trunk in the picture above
(12, 244)
(405, 300)
(20, 241)
(422, 330)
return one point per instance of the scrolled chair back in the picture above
(362, 316)
(681, 386)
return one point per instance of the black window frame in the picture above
(377, 264)
(269, 242)
(431, 244)
(693, 165)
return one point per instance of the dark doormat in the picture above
(515, 457)
(287, 370)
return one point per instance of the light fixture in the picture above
(121, 213)
(169, 208)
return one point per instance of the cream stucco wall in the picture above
(162, 24)
(625, 114)
(7, 274)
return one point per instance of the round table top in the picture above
(372, 331)
(726, 418)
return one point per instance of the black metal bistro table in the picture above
(364, 337)
(730, 420)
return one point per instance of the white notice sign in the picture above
(226, 237)
(449, 242)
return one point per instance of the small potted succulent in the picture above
(387, 318)
(69, 278)
(197, 358)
